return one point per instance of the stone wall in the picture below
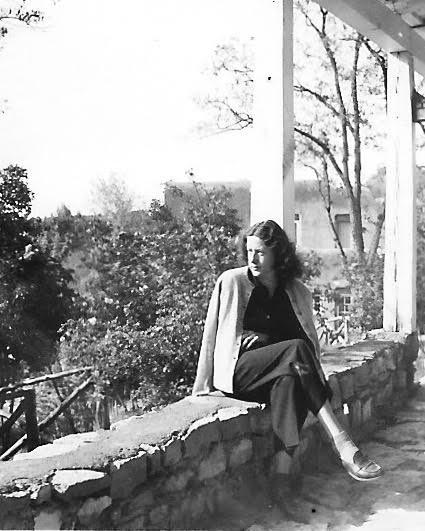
(195, 459)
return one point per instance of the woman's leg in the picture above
(360, 467)
(269, 372)
(267, 375)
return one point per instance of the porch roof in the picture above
(396, 25)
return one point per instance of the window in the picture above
(297, 229)
(344, 304)
(343, 229)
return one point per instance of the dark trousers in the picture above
(267, 375)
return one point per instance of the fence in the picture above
(27, 406)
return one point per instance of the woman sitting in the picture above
(260, 344)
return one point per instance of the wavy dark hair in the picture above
(287, 263)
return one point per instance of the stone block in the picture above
(41, 494)
(383, 396)
(172, 452)
(159, 517)
(399, 357)
(281, 463)
(367, 409)
(79, 483)
(126, 474)
(240, 453)
(92, 509)
(362, 376)
(49, 519)
(135, 524)
(200, 435)
(263, 446)
(400, 379)
(197, 506)
(390, 358)
(234, 422)
(178, 481)
(154, 455)
(16, 502)
(356, 413)
(260, 421)
(139, 504)
(214, 464)
(381, 368)
(346, 384)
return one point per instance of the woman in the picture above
(260, 344)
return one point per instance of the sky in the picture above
(108, 87)
(104, 87)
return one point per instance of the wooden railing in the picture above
(27, 406)
(333, 330)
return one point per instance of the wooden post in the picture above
(400, 212)
(272, 190)
(33, 435)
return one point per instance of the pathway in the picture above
(395, 502)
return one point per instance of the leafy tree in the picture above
(35, 298)
(114, 201)
(144, 318)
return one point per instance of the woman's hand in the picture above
(254, 340)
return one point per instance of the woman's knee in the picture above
(300, 345)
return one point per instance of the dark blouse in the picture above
(273, 315)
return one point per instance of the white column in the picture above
(400, 216)
(272, 190)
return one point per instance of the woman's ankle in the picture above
(344, 446)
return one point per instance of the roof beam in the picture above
(378, 23)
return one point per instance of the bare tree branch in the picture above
(327, 151)
(381, 58)
(374, 244)
(324, 100)
(326, 198)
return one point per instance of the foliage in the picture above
(367, 296)
(143, 322)
(114, 201)
(35, 298)
(18, 11)
(230, 100)
(340, 92)
(312, 265)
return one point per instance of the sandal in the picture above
(362, 468)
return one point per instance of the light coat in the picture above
(224, 327)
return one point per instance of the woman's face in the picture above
(260, 257)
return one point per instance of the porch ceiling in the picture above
(395, 25)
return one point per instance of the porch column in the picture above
(272, 190)
(400, 215)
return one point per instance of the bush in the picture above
(143, 320)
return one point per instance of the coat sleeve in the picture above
(204, 374)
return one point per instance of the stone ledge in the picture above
(174, 462)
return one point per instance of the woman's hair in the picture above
(287, 263)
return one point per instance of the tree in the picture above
(231, 100)
(334, 99)
(35, 298)
(113, 199)
(336, 118)
(17, 11)
(143, 322)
